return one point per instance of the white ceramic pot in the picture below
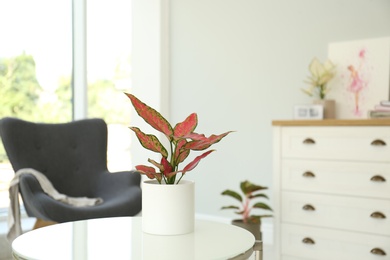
(168, 209)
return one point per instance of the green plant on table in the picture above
(182, 140)
(321, 74)
(250, 192)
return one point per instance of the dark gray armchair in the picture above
(73, 156)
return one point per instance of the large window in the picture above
(36, 69)
(35, 66)
(109, 73)
(36, 59)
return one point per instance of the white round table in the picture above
(122, 238)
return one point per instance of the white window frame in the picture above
(79, 70)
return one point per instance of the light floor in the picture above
(268, 253)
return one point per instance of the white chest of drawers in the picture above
(332, 189)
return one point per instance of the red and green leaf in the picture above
(150, 142)
(198, 145)
(196, 137)
(180, 152)
(167, 166)
(151, 116)
(148, 171)
(158, 165)
(186, 127)
(194, 163)
(170, 175)
(177, 136)
(200, 142)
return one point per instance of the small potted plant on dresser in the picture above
(321, 74)
(250, 222)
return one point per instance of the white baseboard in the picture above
(266, 228)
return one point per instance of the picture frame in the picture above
(362, 76)
(308, 112)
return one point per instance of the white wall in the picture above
(240, 64)
(149, 72)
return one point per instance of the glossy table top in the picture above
(122, 238)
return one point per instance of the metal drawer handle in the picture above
(308, 174)
(378, 142)
(378, 178)
(309, 241)
(309, 141)
(308, 207)
(377, 251)
(378, 214)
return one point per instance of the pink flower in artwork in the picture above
(362, 53)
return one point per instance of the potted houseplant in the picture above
(167, 200)
(321, 74)
(182, 140)
(251, 192)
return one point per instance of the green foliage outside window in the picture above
(19, 88)
(21, 96)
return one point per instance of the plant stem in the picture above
(246, 210)
(172, 162)
(322, 91)
(180, 179)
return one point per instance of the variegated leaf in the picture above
(151, 116)
(195, 162)
(197, 145)
(171, 174)
(196, 137)
(202, 143)
(167, 166)
(150, 142)
(148, 171)
(186, 127)
(181, 153)
(158, 165)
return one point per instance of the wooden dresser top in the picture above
(333, 122)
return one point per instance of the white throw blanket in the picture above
(14, 223)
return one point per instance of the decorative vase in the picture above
(168, 209)
(329, 107)
(254, 228)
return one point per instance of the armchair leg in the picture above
(43, 223)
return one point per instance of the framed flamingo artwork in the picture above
(362, 76)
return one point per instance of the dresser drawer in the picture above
(302, 242)
(334, 177)
(341, 212)
(339, 143)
